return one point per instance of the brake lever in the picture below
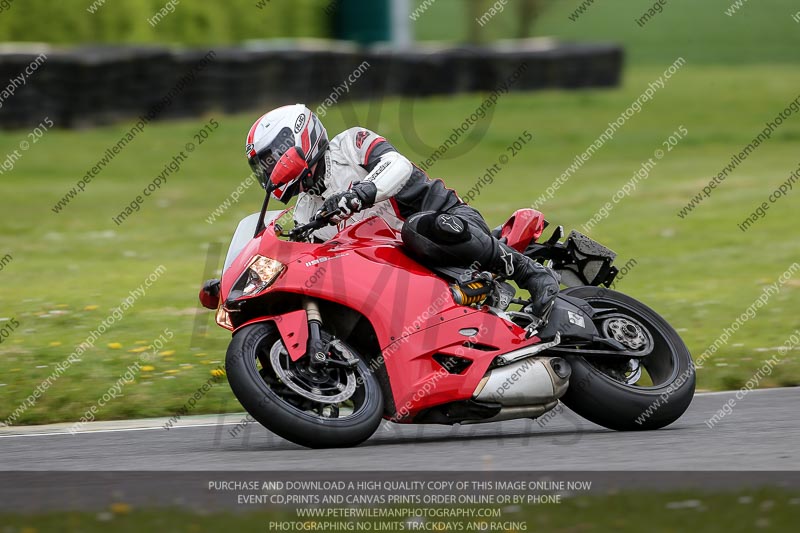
(299, 233)
(314, 224)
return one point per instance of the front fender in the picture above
(293, 328)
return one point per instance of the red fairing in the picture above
(522, 228)
(419, 382)
(293, 328)
(411, 310)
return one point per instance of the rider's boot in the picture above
(540, 281)
(442, 239)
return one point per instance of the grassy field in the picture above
(185, 23)
(69, 270)
(770, 510)
(760, 32)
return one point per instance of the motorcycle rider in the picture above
(358, 174)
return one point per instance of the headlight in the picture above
(259, 275)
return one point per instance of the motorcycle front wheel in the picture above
(629, 395)
(318, 406)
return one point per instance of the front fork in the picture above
(316, 346)
(320, 351)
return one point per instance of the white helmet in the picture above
(277, 132)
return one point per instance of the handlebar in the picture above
(301, 232)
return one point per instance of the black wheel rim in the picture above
(659, 367)
(329, 393)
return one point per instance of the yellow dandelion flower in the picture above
(55, 343)
(90, 307)
(168, 352)
(120, 508)
(148, 368)
(217, 373)
(114, 345)
(141, 342)
(170, 371)
(138, 350)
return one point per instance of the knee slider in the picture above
(445, 228)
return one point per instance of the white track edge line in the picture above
(151, 428)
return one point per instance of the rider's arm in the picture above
(388, 169)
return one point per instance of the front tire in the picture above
(283, 410)
(597, 389)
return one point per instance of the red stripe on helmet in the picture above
(304, 138)
(253, 128)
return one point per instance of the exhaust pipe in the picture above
(527, 383)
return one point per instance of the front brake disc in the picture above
(292, 379)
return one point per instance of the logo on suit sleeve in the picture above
(361, 136)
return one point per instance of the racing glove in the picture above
(343, 205)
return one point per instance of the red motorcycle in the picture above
(329, 338)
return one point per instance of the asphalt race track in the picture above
(761, 433)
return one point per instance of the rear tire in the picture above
(282, 417)
(606, 401)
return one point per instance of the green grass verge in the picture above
(69, 270)
(175, 22)
(759, 32)
(763, 509)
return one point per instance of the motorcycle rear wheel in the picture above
(265, 391)
(601, 392)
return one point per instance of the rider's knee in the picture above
(440, 228)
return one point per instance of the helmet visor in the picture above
(263, 163)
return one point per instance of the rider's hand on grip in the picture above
(341, 206)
